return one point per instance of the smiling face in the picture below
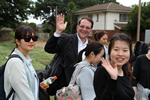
(84, 29)
(120, 53)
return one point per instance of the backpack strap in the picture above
(74, 79)
(10, 93)
(12, 90)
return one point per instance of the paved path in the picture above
(40, 43)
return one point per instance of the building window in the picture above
(97, 18)
(90, 16)
(124, 17)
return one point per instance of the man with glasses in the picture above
(66, 48)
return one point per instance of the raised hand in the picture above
(60, 25)
(112, 71)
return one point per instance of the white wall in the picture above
(110, 19)
(98, 25)
(106, 20)
(81, 16)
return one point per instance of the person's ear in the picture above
(17, 41)
(92, 55)
(77, 27)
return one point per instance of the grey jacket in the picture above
(19, 76)
(85, 80)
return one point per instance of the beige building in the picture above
(110, 17)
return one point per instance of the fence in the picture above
(43, 35)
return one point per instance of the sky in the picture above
(127, 3)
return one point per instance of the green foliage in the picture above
(47, 30)
(144, 20)
(0, 32)
(71, 27)
(33, 25)
(5, 50)
(12, 35)
(106, 1)
(12, 12)
(46, 10)
(39, 57)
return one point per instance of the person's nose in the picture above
(84, 28)
(31, 40)
(120, 52)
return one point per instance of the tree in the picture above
(12, 12)
(45, 9)
(133, 17)
(71, 9)
(106, 1)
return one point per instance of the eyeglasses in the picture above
(82, 27)
(28, 38)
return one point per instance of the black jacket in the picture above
(65, 48)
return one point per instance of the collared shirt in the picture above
(81, 45)
(56, 35)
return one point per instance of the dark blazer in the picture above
(65, 48)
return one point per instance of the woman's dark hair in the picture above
(126, 38)
(92, 46)
(23, 31)
(87, 18)
(99, 34)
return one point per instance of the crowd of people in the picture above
(105, 74)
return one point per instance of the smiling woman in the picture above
(112, 79)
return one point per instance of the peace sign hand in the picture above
(112, 71)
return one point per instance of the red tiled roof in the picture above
(103, 8)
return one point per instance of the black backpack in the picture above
(2, 70)
(140, 48)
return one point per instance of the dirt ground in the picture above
(40, 43)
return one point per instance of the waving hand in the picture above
(112, 71)
(60, 25)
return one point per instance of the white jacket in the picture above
(20, 76)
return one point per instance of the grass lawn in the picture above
(39, 57)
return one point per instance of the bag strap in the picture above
(12, 90)
(10, 93)
(74, 79)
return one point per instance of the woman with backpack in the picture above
(19, 74)
(94, 53)
(112, 79)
